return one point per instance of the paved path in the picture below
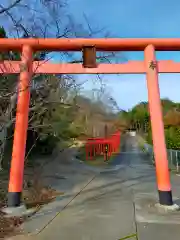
(104, 206)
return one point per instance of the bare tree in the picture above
(4, 9)
(45, 19)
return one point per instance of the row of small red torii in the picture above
(27, 67)
(106, 146)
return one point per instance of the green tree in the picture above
(140, 120)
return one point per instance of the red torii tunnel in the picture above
(26, 67)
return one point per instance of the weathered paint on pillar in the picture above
(20, 133)
(157, 125)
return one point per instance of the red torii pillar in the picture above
(157, 126)
(20, 133)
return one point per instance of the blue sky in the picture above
(134, 19)
(128, 19)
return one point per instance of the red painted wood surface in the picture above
(96, 146)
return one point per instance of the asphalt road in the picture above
(102, 203)
(104, 208)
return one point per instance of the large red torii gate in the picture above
(26, 67)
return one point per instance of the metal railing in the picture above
(173, 157)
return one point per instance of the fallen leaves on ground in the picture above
(33, 198)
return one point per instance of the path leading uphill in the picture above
(102, 205)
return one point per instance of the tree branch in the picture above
(5, 9)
